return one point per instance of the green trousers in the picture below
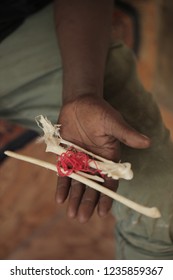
(31, 84)
(137, 236)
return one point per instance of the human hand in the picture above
(91, 123)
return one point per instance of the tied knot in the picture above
(73, 161)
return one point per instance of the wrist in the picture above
(73, 91)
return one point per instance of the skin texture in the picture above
(83, 32)
(93, 124)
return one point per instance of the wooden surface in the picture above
(32, 226)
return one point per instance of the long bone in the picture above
(152, 212)
(53, 141)
(54, 144)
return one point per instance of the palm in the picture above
(92, 123)
(85, 122)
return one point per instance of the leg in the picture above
(140, 237)
(31, 72)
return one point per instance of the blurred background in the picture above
(32, 226)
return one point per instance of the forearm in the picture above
(83, 31)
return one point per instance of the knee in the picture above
(138, 236)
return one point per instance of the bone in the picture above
(54, 140)
(152, 212)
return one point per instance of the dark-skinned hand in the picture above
(91, 123)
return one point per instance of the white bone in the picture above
(152, 212)
(53, 140)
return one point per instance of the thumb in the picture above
(126, 134)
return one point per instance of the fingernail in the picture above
(146, 137)
(102, 213)
(59, 200)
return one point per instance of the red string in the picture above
(73, 161)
